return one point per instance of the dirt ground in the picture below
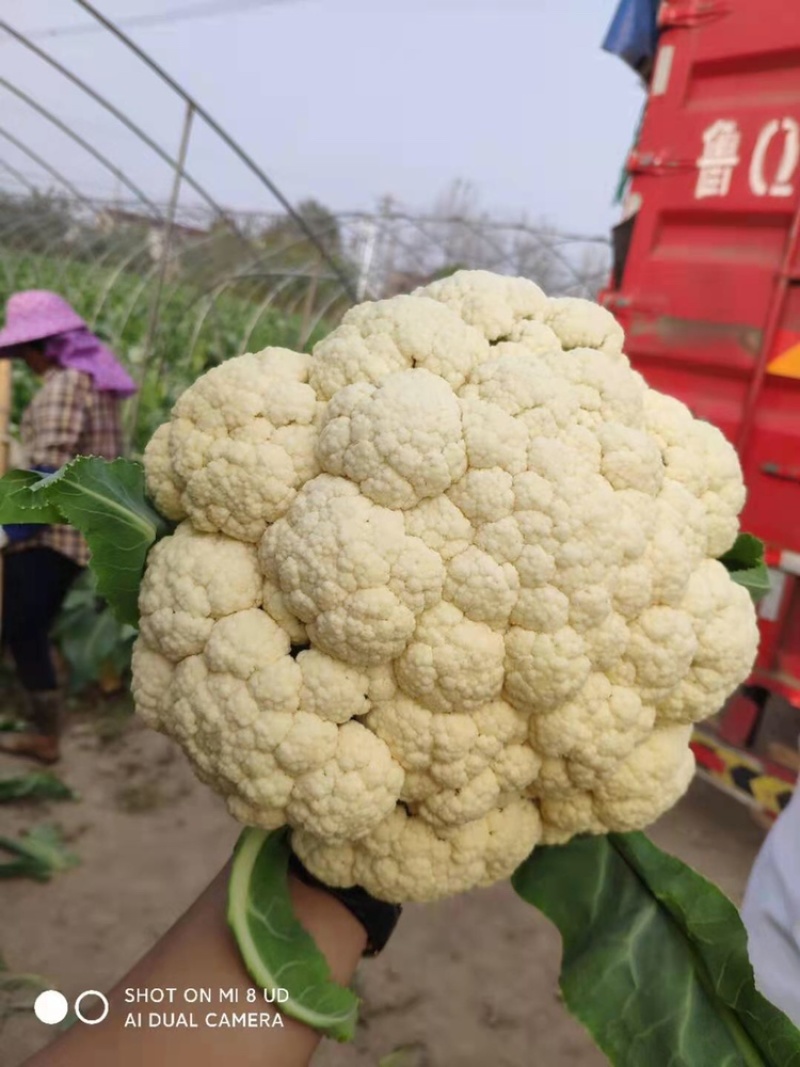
(467, 983)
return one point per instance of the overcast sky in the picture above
(347, 100)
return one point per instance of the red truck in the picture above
(706, 282)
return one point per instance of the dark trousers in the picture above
(35, 583)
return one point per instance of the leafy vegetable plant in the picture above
(18, 990)
(38, 854)
(36, 785)
(745, 562)
(95, 644)
(11, 725)
(106, 501)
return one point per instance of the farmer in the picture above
(75, 412)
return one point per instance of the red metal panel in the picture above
(710, 294)
(774, 614)
(717, 171)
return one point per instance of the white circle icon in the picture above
(91, 993)
(51, 1007)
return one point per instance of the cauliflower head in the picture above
(442, 591)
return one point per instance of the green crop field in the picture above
(194, 330)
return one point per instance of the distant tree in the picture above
(34, 222)
(446, 271)
(302, 272)
(284, 237)
(459, 234)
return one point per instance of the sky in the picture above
(347, 101)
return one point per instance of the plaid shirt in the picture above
(65, 419)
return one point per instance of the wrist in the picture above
(376, 918)
(335, 931)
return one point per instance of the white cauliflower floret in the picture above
(441, 525)
(727, 638)
(164, 487)
(191, 580)
(644, 785)
(661, 646)
(698, 457)
(421, 738)
(502, 540)
(484, 495)
(442, 590)
(238, 642)
(349, 571)
(406, 858)
(492, 304)
(244, 483)
(154, 674)
(332, 689)
(584, 324)
(483, 588)
(536, 337)
(677, 544)
(530, 390)
(544, 670)
(400, 442)
(245, 712)
(451, 663)
(594, 732)
(493, 438)
(456, 807)
(631, 459)
(377, 339)
(543, 609)
(456, 762)
(241, 441)
(650, 780)
(341, 798)
(274, 603)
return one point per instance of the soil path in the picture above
(467, 983)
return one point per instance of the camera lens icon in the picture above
(51, 1007)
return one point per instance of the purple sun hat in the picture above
(35, 314)
(38, 315)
